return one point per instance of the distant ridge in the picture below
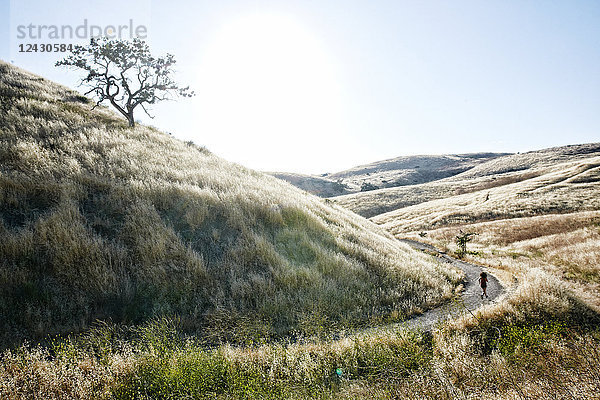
(400, 171)
(495, 172)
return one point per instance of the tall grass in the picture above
(200, 264)
(99, 221)
(565, 246)
(503, 353)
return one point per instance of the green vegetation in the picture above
(462, 239)
(555, 352)
(520, 338)
(317, 185)
(366, 186)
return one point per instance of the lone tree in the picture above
(125, 74)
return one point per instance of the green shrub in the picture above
(521, 338)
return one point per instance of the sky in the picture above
(321, 86)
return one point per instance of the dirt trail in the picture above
(468, 300)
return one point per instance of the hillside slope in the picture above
(531, 160)
(411, 170)
(100, 221)
(566, 187)
(493, 173)
(400, 171)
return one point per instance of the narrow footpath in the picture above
(466, 302)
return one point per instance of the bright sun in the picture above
(270, 97)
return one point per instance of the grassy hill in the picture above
(531, 160)
(493, 173)
(400, 171)
(100, 221)
(566, 187)
(535, 219)
(565, 245)
(146, 248)
(411, 170)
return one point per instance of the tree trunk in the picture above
(131, 120)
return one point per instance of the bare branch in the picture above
(146, 111)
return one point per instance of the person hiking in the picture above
(483, 280)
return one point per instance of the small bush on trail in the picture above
(461, 241)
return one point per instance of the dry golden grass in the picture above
(569, 187)
(532, 160)
(539, 223)
(376, 202)
(409, 170)
(101, 221)
(393, 174)
(467, 360)
(539, 237)
(492, 173)
(565, 245)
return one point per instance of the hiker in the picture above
(483, 283)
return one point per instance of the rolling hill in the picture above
(400, 171)
(99, 221)
(567, 187)
(410, 170)
(493, 173)
(149, 253)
